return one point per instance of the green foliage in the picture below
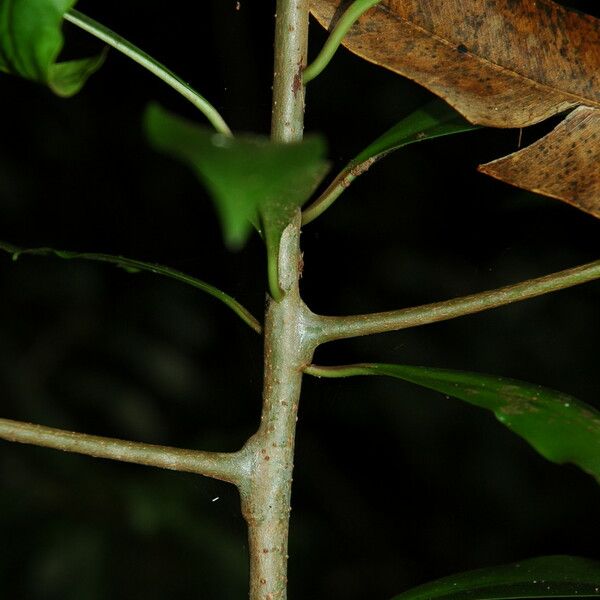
(31, 40)
(435, 119)
(255, 183)
(135, 266)
(561, 428)
(251, 179)
(544, 577)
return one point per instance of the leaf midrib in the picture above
(580, 100)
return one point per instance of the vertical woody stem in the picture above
(288, 347)
(266, 496)
(291, 40)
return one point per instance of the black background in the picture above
(393, 485)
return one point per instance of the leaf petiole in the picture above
(352, 14)
(156, 68)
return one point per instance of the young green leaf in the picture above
(561, 428)
(435, 119)
(31, 40)
(251, 179)
(135, 266)
(544, 577)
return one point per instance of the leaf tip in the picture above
(66, 79)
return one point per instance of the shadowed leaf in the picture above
(564, 164)
(436, 119)
(251, 179)
(135, 266)
(544, 577)
(31, 40)
(433, 120)
(561, 428)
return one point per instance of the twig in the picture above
(218, 465)
(336, 328)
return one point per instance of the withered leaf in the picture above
(564, 164)
(501, 63)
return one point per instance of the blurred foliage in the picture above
(31, 40)
(91, 348)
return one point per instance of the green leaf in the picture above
(251, 179)
(135, 266)
(435, 119)
(545, 577)
(31, 40)
(561, 428)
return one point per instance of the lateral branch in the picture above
(337, 328)
(218, 465)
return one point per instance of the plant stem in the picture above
(266, 499)
(156, 68)
(288, 347)
(291, 41)
(230, 467)
(335, 189)
(337, 328)
(352, 14)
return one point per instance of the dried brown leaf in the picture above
(564, 164)
(501, 63)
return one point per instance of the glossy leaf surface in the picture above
(134, 266)
(434, 120)
(561, 428)
(31, 40)
(251, 179)
(545, 577)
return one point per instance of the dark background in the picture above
(394, 485)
